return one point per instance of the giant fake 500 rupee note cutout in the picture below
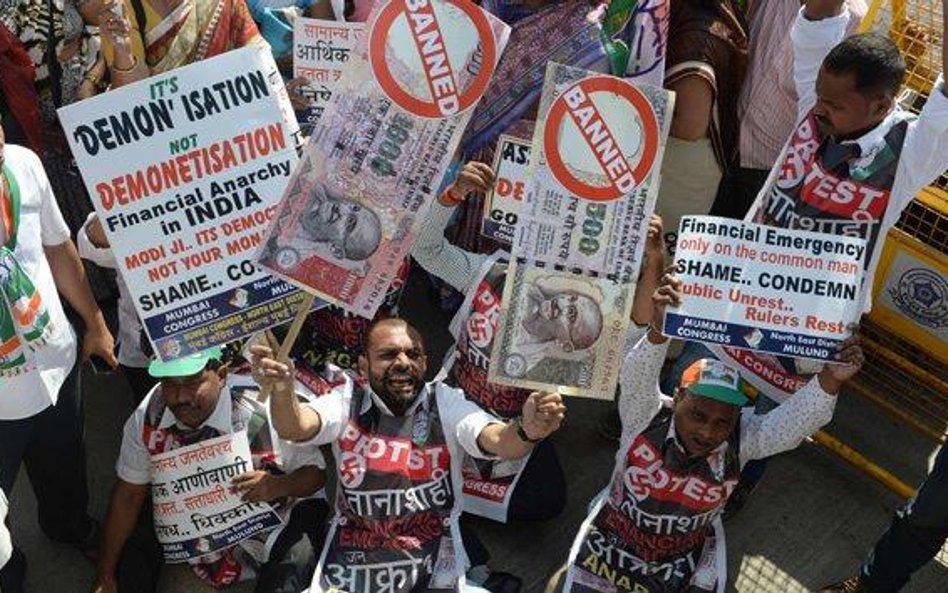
(381, 147)
(595, 157)
(559, 330)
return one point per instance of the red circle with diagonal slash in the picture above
(558, 116)
(378, 37)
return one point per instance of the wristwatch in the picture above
(523, 434)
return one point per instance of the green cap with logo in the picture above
(714, 379)
(184, 367)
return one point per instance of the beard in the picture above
(398, 388)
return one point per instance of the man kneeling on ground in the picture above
(198, 400)
(657, 527)
(398, 444)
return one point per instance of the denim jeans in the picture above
(916, 534)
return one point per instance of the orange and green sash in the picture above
(24, 320)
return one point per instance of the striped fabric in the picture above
(767, 107)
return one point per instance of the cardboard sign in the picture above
(512, 171)
(195, 512)
(785, 292)
(321, 50)
(378, 154)
(185, 170)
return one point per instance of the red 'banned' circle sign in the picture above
(433, 53)
(595, 107)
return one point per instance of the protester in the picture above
(916, 534)
(540, 486)
(41, 418)
(657, 527)
(198, 399)
(132, 357)
(398, 444)
(190, 31)
(705, 66)
(767, 104)
(855, 159)
(63, 44)
(863, 158)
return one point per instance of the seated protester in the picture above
(656, 527)
(94, 246)
(398, 445)
(197, 399)
(539, 486)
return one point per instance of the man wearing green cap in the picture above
(657, 528)
(197, 400)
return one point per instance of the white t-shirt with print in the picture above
(41, 224)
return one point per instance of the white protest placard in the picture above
(185, 171)
(321, 50)
(195, 512)
(380, 149)
(512, 172)
(749, 286)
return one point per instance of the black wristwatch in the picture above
(523, 434)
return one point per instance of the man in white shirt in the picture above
(398, 444)
(197, 399)
(657, 527)
(41, 420)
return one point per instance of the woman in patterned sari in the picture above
(145, 37)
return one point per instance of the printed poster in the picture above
(580, 235)
(784, 292)
(195, 512)
(379, 151)
(185, 170)
(321, 50)
(503, 201)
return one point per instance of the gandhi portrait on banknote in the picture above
(556, 322)
(331, 226)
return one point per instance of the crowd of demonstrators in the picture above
(846, 89)
(353, 382)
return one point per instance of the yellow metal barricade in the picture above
(906, 335)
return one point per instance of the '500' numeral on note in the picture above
(592, 228)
